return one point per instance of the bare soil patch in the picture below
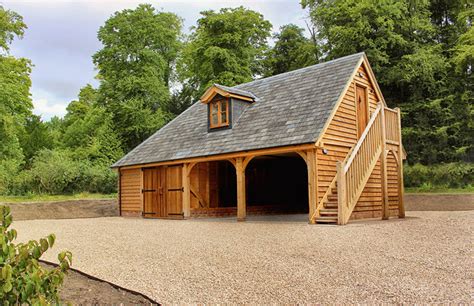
(64, 209)
(439, 202)
(81, 289)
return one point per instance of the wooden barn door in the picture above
(174, 191)
(152, 193)
(362, 109)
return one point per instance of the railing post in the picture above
(341, 194)
(401, 205)
(383, 168)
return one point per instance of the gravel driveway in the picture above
(426, 257)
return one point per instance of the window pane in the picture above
(214, 114)
(224, 112)
(214, 119)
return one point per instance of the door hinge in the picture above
(176, 189)
(148, 190)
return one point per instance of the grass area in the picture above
(59, 197)
(431, 189)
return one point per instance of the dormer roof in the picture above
(228, 92)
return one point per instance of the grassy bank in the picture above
(467, 189)
(59, 197)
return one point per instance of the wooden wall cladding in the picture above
(340, 137)
(200, 184)
(130, 191)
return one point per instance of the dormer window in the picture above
(225, 105)
(219, 113)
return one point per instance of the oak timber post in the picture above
(186, 191)
(401, 204)
(241, 196)
(341, 194)
(312, 194)
(383, 168)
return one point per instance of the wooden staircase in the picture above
(337, 204)
(328, 213)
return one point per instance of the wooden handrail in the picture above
(354, 152)
(392, 129)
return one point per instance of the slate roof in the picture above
(237, 91)
(292, 108)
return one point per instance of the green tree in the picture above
(34, 137)
(15, 101)
(226, 47)
(93, 137)
(292, 50)
(135, 64)
(11, 26)
(79, 108)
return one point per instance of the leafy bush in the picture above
(22, 279)
(96, 179)
(59, 172)
(451, 175)
(52, 171)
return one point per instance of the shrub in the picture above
(22, 279)
(96, 179)
(52, 171)
(451, 175)
(58, 172)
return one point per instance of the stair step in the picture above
(330, 204)
(332, 197)
(326, 220)
(328, 211)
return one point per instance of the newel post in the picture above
(341, 194)
(401, 205)
(383, 167)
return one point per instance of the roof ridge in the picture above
(299, 70)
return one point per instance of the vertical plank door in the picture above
(151, 195)
(174, 191)
(362, 109)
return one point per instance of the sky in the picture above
(62, 37)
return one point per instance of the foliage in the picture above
(135, 65)
(58, 172)
(451, 175)
(292, 50)
(226, 47)
(34, 137)
(11, 25)
(22, 279)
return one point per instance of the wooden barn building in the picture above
(319, 140)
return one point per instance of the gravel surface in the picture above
(424, 258)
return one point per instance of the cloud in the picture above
(47, 110)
